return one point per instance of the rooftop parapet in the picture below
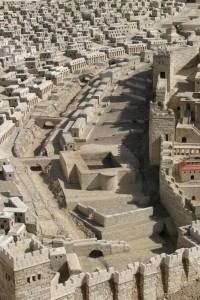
(15, 255)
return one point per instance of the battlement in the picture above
(31, 259)
(152, 268)
(156, 112)
(6, 257)
(99, 276)
(160, 53)
(24, 254)
(68, 287)
(126, 275)
(173, 259)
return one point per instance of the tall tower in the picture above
(25, 271)
(163, 67)
(161, 122)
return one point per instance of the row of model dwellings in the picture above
(84, 115)
(96, 98)
(55, 74)
(40, 29)
(77, 15)
(15, 220)
(13, 51)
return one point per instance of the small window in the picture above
(192, 177)
(39, 276)
(34, 279)
(184, 140)
(28, 280)
(162, 74)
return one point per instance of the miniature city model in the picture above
(99, 150)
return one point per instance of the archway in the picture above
(192, 177)
(184, 140)
(96, 253)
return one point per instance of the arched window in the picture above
(192, 177)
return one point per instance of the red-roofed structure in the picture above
(189, 167)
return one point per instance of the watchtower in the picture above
(163, 67)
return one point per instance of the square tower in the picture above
(163, 67)
(25, 271)
(161, 123)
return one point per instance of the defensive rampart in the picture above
(163, 274)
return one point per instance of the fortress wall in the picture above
(173, 200)
(163, 274)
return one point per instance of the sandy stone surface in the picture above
(190, 292)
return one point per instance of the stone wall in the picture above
(173, 200)
(86, 246)
(114, 219)
(185, 57)
(125, 217)
(163, 274)
(184, 241)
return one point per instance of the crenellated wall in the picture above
(163, 274)
(173, 200)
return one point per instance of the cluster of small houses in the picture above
(43, 43)
(95, 99)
